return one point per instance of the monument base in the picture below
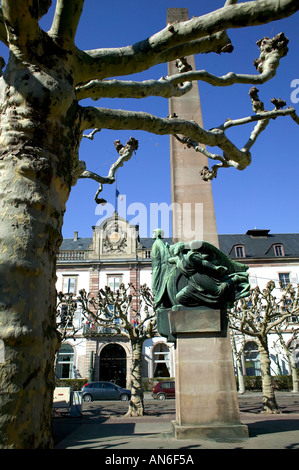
(229, 433)
(207, 404)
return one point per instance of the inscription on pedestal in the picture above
(197, 320)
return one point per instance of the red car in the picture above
(164, 390)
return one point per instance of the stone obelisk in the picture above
(191, 197)
(206, 396)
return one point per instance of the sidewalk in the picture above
(107, 430)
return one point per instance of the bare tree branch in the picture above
(164, 87)
(91, 134)
(271, 51)
(21, 19)
(3, 33)
(125, 153)
(102, 63)
(192, 132)
(66, 19)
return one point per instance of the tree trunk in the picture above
(269, 400)
(35, 168)
(241, 381)
(295, 379)
(136, 406)
(237, 356)
(291, 361)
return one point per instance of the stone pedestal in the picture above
(206, 395)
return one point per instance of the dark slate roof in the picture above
(148, 242)
(81, 244)
(69, 244)
(257, 243)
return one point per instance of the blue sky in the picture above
(265, 195)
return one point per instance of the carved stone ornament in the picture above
(115, 238)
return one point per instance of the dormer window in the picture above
(278, 250)
(240, 251)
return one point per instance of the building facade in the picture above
(116, 254)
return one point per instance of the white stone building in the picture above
(115, 254)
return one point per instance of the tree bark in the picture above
(295, 379)
(37, 122)
(268, 400)
(241, 380)
(291, 360)
(136, 406)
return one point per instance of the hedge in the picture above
(280, 382)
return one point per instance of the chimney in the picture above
(75, 236)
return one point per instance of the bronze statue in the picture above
(195, 274)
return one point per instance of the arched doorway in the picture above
(113, 364)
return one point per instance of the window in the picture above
(278, 250)
(109, 386)
(284, 279)
(253, 280)
(239, 251)
(65, 362)
(116, 320)
(63, 316)
(69, 317)
(114, 282)
(252, 359)
(161, 358)
(69, 285)
(98, 385)
(166, 385)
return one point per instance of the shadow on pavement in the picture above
(113, 424)
(268, 426)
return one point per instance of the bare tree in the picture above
(67, 308)
(258, 316)
(130, 313)
(238, 342)
(288, 347)
(42, 124)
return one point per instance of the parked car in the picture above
(104, 391)
(164, 390)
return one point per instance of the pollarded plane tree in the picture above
(128, 312)
(289, 349)
(260, 315)
(42, 124)
(238, 342)
(286, 344)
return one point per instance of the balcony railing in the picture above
(97, 330)
(71, 255)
